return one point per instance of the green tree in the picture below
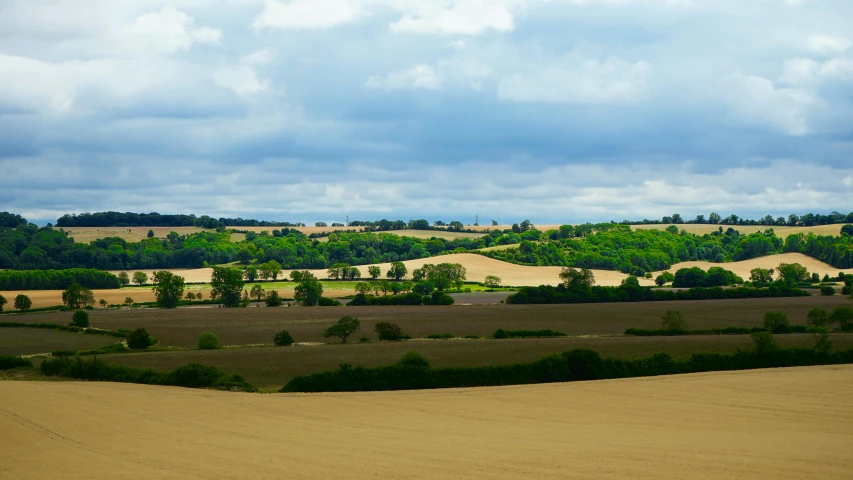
(139, 339)
(397, 271)
(274, 268)
(792, 273)
(283, 339)
(128, 301)
(761, 276)
(76, 296)
(374, 271)
(208, 341)
(273, 299)
(80, 319)
(124, 279)
(673, 320)
(168, 289)
(817, 317)
(103, 303)
(308, 291)
(492, 281)
(764, 342)
(822, 344)
(388, 331)
(257, 291)
(3, 302)
(250, 274)
(344, 327)
(577, 279)
(338, 271)
(776, 322)
(226, 286)
(23, 302)
(140, 278)
(354, 273)
(150, 233)
(363, 288)
(843, 316)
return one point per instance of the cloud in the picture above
(827, 45)
(306, 14)
(589, 81)
(466, 17)
(242, 80)
(258, 57)
(755, 99)
(420, 76)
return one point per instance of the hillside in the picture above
(743, 268)
(760, 424)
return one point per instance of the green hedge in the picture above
(55, 308)
(640, 332)
(8, 362)
(573, 365)
(501, 333)
(57, 279)
(194, 375)
(545, 294)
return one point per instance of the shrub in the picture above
(328, 302)
(283, 339)
(817, 317)
(208, 341)
(388, 331)
(139, 339)
(843, 316)
(763, 343)
(822, 344)
(414, 359)
(8, 362)
(776, 322)
(23, 302)
(344, 327)
(438, 298)
(363, 340)
(423, 287)
(472, 337)
(673, 320)
(502, 334)
(827, 291)
(273, 299)
(80, 319)
(440, 336)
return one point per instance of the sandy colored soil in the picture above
(743, 268)
(782, 232)
(131, 234)
(762, 424)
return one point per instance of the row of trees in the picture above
(792, 220)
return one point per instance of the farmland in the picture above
(751, 424)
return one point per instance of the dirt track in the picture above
(773, 424)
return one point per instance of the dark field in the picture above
(252, 325)
(272, 367)
(28, 341)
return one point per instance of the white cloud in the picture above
(755, 99)
(258, 57)
(808, 72)
(306, 14)
(828, 45)
(463, 17)
(589, 81)
(421, 76)
(166, 31)
(242, 80)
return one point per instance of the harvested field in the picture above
(131, 234)
(761, 424)
(242, 326)
(771, 261)
(782, 232)
(29, 341)
(272, 367)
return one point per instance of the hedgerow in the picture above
(8, 362)
(546, 294)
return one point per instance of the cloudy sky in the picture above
(552, 110)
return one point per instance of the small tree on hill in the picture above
(150, 233)
(168, 288)
(674, 321)
(817, 317)
(822, 344)
(140, 278)
(492, 281)
(77, 296)
(374, 271)
(208, 341)
(124, 279)
(283, 339)
(103, 303)
(257, 292)
(308, 291)
(226, 285)
(574, 278)
(23, 302)
(273, 299)
(397, 271)
(3, 302)
(776, 322)
(344, 327)
(80, 319)
(139, 339)
(128, 301)
(388, 331)
(763, 342)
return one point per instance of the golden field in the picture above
(762, 424)
(743, 268)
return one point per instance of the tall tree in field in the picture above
(397, 271)
(251, 274)
(124, 279)
(23, 302)
(274, 269)
(257, 291)
(77, 296)
(140, 278)
(374, 271)
(792, 273)
(226, 285)
(574, 278)
(168, 288)
(308, 291)
(3, 302)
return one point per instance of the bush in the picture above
(545, 294)
(843, 316)
(389, 331)
(273, 299)
(23, 302)
(423, 287)
(817, 317)
(208, 341)
(8, 362)
(362, 299)
(440, 336)
(673, 320)
(283, 339)
(139, 339)
(827, 291)
(328, 302)
(344, 327)
(502, 334)
(414, 359)
(776, 322)
(764, 343)
(438, 298)
(80, 319)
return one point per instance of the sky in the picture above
(555, 111)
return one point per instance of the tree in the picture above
(443, 275)
(23, 302)
(283, 339)
(338, 271)
(128, 301)
(822, 344)
(761, 276)
(792, 273)
(139, 339)
(763, 343)
(714, 218)
(190, 296)
(363, 288)
(494, 223)
(124, 279)
(573, 278)
(168, 289)
(80, 319)
(674, 321)
(397, 271)
(103, 303)
(660, 280)
(150, 233)
(3, 302)
(374, 271)
(140, 278)
(76, 296)
(492, 281)
(847, 230)
(843, 316)
(424, 287)
(344, 327)
(388, 331)
(226, 286)
(250, 274)
(274, 269)
(257, 291)
(817, 317)
(354, 273)
(308, 291)
(273, 299)
(776, 322)
(208, 341)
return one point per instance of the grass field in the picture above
(29, 341)
(762, 424)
